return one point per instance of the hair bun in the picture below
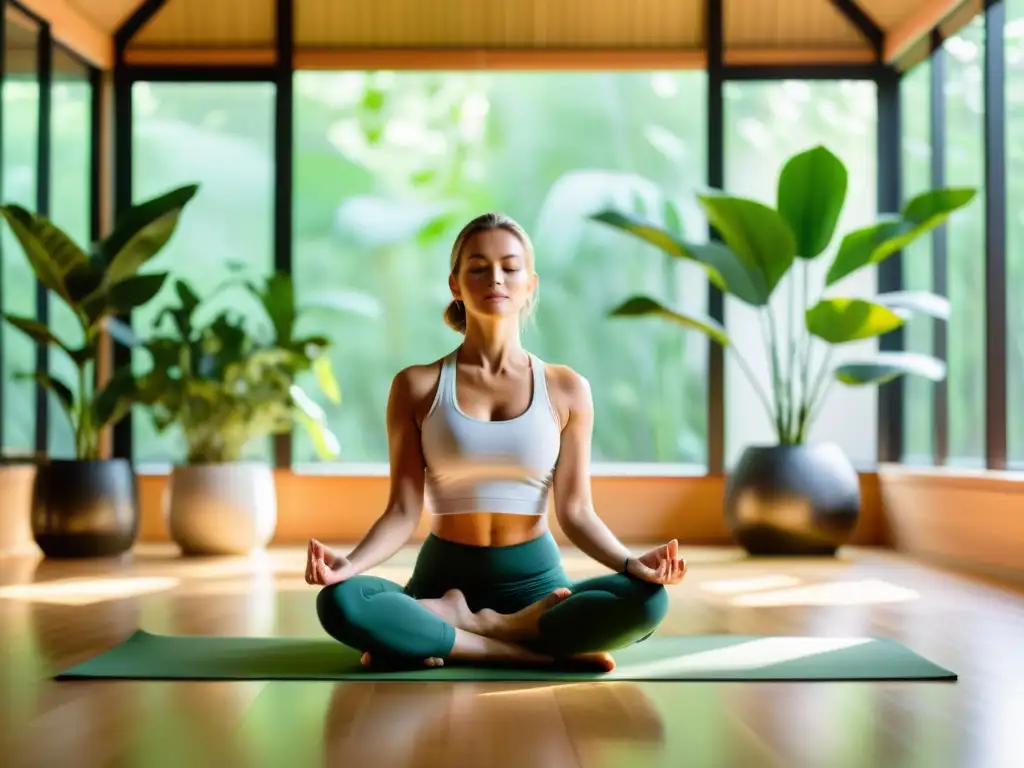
(455, 316)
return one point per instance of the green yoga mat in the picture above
(145, 656)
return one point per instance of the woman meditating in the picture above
(485, 433)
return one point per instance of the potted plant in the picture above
(225, 386)
(87, 505)
(792, 497)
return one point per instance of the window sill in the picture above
(380, 469)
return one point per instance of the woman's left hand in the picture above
(662, 565)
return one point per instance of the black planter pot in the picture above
(792, 500)
(85, 508)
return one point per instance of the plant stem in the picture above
(780, 395)
(820, 380)
(793, 351)
(81, 450)
(749, 373)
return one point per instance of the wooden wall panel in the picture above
(211, 24)
(499, 23)
(637, 509)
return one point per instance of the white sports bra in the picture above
(489, 466)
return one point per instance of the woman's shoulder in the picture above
(417, 384)
(567, 388)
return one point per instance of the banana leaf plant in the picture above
(97, 286)
(760, 245)
(225, 386)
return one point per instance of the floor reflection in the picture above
(484, 723)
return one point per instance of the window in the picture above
(1015, 230)
(220, 136)
(919, 331)
(19, 167)
(71, 210)
(389, 166)
(765, 124)
(965, 138)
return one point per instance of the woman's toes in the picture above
(434, 662)
(365, 660)
(556, 597)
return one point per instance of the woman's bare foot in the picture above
(599, 661)
(367, 661)
(519, 627)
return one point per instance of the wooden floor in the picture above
(53, 615)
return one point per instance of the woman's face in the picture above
(494, 276)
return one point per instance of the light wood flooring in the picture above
(55, 614)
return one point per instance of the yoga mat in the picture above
(145, 656)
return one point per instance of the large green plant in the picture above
(761, 245)
(97, 286)
(224, 385)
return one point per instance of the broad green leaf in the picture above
(326, 379)
(724, 268)
(84, 281)
(876, 243)
(188, 298)
(811, 193)
(47, 270)
(838, 321)
(886, 366)
(756, 233)
(929, 209)
(37, 331)
(278, 298)
(135, 291)
(921, 302)
(864, 246)
(143, 232)
(59, 388)
(642, 306)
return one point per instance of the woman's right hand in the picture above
(324, 567)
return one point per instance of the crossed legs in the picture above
(578, 624)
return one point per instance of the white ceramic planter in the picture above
(221, 509)
(16, 509)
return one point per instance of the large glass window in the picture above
(390, 165)
(220, 136)
(765, 124)
(70, 209)
(19, 169)
(1015, 230)
(919, 332)
(965, 154)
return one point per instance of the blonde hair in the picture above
(455, 313)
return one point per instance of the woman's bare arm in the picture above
(574, 506)
(405, 502)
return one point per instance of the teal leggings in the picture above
(605, 613)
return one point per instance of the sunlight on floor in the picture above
(86, 591)
(866, 592)
(734, 586)
(754, 654)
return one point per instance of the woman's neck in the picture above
(494, 347)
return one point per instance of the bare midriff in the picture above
(489, 529)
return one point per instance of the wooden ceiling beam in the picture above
(867, 26)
